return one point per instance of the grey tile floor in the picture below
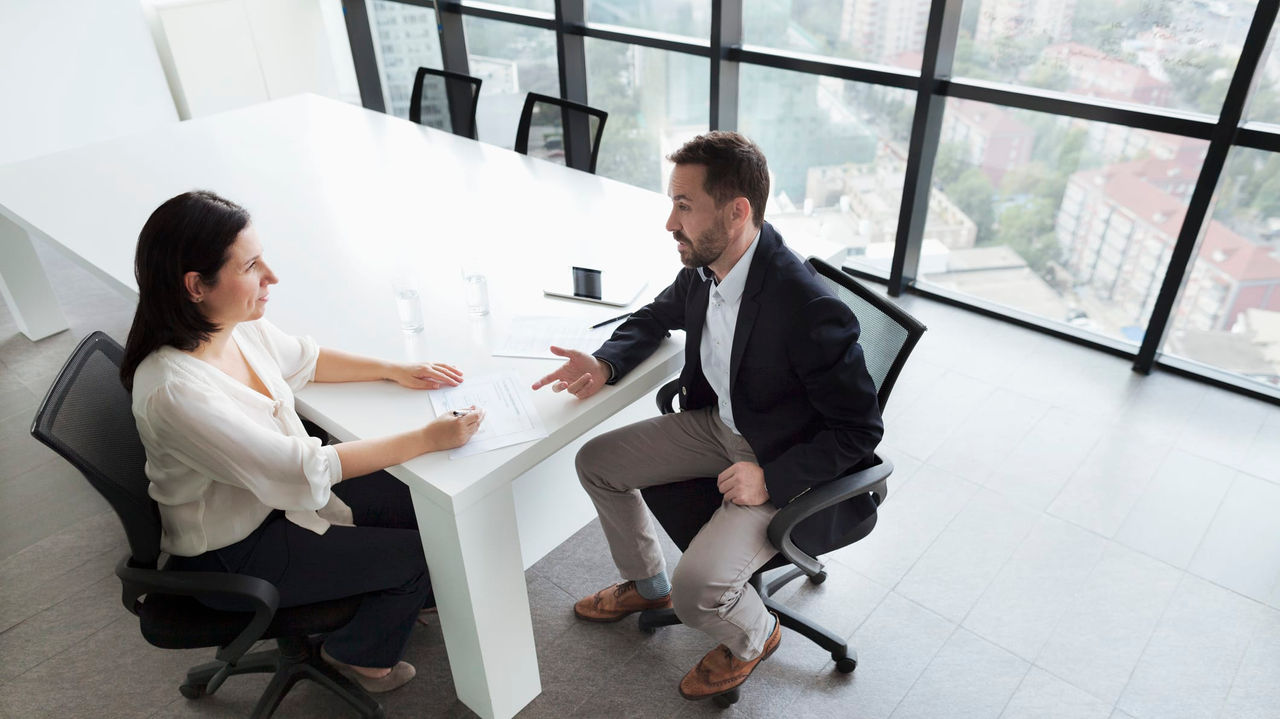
(1062, 538)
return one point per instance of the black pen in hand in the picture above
(610, 321)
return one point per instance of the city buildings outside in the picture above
(1090, 71)
(883, 30)
(405, 39)
(994, 139)
(1117, 231)
(999, 20)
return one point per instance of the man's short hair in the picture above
(735, 168)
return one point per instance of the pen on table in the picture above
(610, 321)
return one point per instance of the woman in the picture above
(241, 486)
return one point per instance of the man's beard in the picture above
(706, 249)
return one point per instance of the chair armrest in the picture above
(261, 594)
(666, 396)
(871, 479)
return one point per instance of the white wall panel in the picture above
(214, 58)
(74, 72)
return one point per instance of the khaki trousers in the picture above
(709, 589)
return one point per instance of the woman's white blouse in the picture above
(221, 456)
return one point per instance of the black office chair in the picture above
(445, 100)
(562, 131)
(888, 336)
(86, 417)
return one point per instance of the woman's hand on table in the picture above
(453, 429)
(425, 375)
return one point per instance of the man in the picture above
(776, 400)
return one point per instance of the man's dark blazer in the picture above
(801, 394)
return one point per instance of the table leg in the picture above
(478, 578)
(25, 285)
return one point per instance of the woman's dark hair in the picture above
(192, 232)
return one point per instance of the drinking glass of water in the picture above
(476, 289)
(408, 304)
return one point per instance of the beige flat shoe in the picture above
(399, 675)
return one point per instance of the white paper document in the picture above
(509, 415)
(533, 336)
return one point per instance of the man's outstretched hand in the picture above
(581, 375)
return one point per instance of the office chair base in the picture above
(295, 659)
(772, 587)
(197, 683)
(845, 658)
(840, 652)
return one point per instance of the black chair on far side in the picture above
(561, 130)
(445, 100)
(86, 418)
(888, 336)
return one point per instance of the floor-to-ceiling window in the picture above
(1105, 170)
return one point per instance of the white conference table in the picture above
(343, 199)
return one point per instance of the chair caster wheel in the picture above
(192, 691)
(818, 578)
(846, 665)
(727, 699)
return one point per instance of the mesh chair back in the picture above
(445, 100)
(87, 418)
(561, 131)
(888, 332)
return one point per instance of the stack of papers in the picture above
(509, 415)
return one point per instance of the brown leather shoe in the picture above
(719, 671)
(613, 603)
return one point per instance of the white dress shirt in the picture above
(222, 456)
(717, 333)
